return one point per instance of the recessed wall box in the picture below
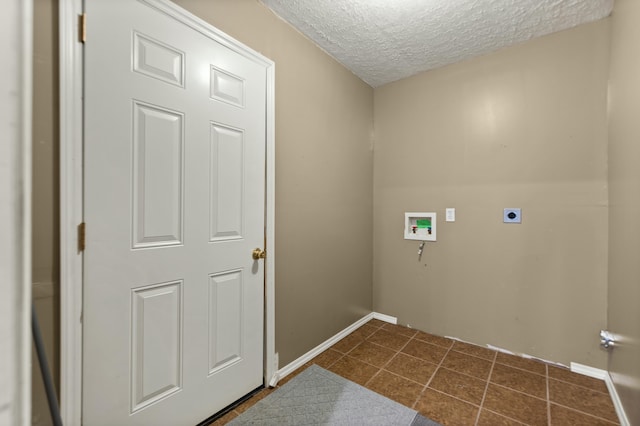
(420, 226)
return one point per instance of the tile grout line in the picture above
(548, 397)
(424, 389)
(543, 399)
(455, 397)
(549, 379)
(580, 386)
(486, 388)
(336, 360)
(506, 417)
(523, 369)
(390, 359)
(585, 413)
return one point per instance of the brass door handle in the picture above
(258, 253)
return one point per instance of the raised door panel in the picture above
(226, 87)
(227, 183)
(226, 316)
(156, 343)
(158, 60)
(158, 176)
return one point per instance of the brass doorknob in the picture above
(258, 254)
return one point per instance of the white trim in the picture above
(586, 370)
(71, 80)
(15, 211)
(71, 179)
(209, 31)
(299, 362)
(24, 210)
(617, 403)
(385, 318)
(271, 358)
(604, 375)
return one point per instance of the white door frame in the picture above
(16, 28)
(71, 187)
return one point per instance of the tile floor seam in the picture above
(523, 369)
(475, 356)
(516, 390)
(366, 384)
(364, 362)
(402, 377)
(469, 375)
(421, 359)
(495, 353)
(434, 344)
(486, 387)
(415, 331)
(455, 397)
(546, 380)
(351, 350)
(426, 386)
(390, 359)
(585, 413)
(580, 386)
(382, 346)
(506, 417)
(331, 364)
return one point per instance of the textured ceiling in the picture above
(385, 40)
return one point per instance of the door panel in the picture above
(158, 176)
(226, 322)
(156, 343)
(227, 182)
(174, 205)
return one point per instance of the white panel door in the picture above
(174, 206)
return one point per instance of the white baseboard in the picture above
(385, 318)
(604, 375)
(294, 365)
(596, 373)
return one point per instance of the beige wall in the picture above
(45, 197)
(624, 199)
(324, 119)
(523, 127)
(45, 130)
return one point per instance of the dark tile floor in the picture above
(456, 383)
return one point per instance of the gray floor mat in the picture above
(319, 397)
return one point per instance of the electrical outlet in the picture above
(512, 215)
(450, 214)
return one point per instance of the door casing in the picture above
(71, 197)
(15, 211)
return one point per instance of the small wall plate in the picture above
(512, 215)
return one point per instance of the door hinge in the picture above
(83, 28)
(81, 236)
